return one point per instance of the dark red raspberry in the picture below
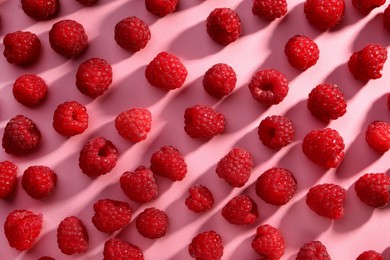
(115, 249)
(327, 200)
(30, 90)
(276, 132)
(302, 52)
(324, 14)
(313, 250)
(72, 236)
(8, 179)
(21, 136)
(378, 136)
(224, 25)
(269, 9)
(366, 6)
(206, 245)
(152, 223)
(269, 242)
(200, 198)
(41, 10)
(132, 34)
(46, 258)
(168, 162)
(269, 87)
(21, 48)
(370, 255)
(39, 181)
(166, 71)
(22, 229)
(219, 80)
(70, 118)
(134, 124)
(98, 157)
(87, 2)
(386, 18)
(240, 210)
(68, 38)
(161, 8)
(373, 189)
(111, 215)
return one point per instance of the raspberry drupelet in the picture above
(276, 132)
(41, 10)
(8, 179)
(70, 118)
(240, 210)
(378, 136)
(220, 80)
(30, 90)
(224, 26)
(373, 189)
(132, 34)
(302, 52)
(134, 124)
(39, 181)
(200, 198)
(116, 248)
(22, 48)
(269, 10)
(206, 245)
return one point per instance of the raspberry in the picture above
(276, 186)
(368, 63)
(152, 223)
(269, 87)
(87, 2)
(132, 34)
(240, 210)
(373, 189)
(313, 250)
(161, 8)
(70, 118)
(68, 38)
(327, 200)
(366, 6)
(370, 255)
(378, 136)
(201, 121)
(115, 249)
(72, 236)
(219, 80)
(206, 245)
(98, 157)
(269, 242)
(302, 52)
(168, 162)
(39, 181)
(41, 10)
(21, 48)
(324, 14)
(111, 215)
(21, 136)
(29, 90)
(8, 179)
(22, 229)
(386, 18)
(269, 10)
(139, 185)
(134, 124)
(93, 77)
(235, 167)
(200, 199)
(166, 71)
(224, 26)
(324, 147)
(276, 132)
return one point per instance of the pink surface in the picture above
(183, 33)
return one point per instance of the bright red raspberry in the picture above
(269, 242)
(68, 38)
(21, 136)
(111, 215)
(134, 124)
(70, 118)
(87, 2)
(30, 90)
(21, 48)
(240, 210)
(370, 255)
(378, 136)
(200, 198)
(115, 249)
(327, 200)
(46, 258)
(41, 10)
(8, 179)
(166, 71)
(22, 229)
(72, 236)
(168, 162)
(313, 250)
(152, 223)
(132, 34)
(324, 14)
(302, 52)
(276, 132)
(98, 157)
(206, 245)
(224, 26)
(39, 181)
(373, 189)
(161, 8)
(386, 18)
(219, 80)
(269, 10)
(366, 6)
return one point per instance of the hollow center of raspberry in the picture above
(271, 132)
(267, 86)
(104, 151)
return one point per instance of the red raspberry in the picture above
(219, 80)
(21, 136)
(46, 258)
(206, 245)
(327, 200)
(166, 71)
(134, 124)
(93, 77)
(115, 249)
(139, 185)
(366, 6)
(269, 10)
(269, 242)
(201, 121)
(324, 147)
(313, 250)
(111, 215)
(240, 210)
(368, 63)
(87, 2)
(29, 90)
(269, 87)
(224, 25)
(370, 255)
(41, 10)
(235, 167)
(276, 132)
(378, 136)
(39, 181)
(168, 162)
(161, 8)
(324, 14)
(200, 199)
(152, 223)
(72, 236)
(276, 186)
(302, 52)
(98, 157)
(68, 38)
(70, 118)
(22, 229)
(373, 189)
(386, 18)
(21, 48)
(132, 34)
(8, 179)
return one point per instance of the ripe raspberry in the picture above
(68, 38)
(70, 118)
(324, 14)
(87, 2)
(22, 229)
(386, 18)
(219, 80)
(324, 147)
(134, 124)
(373, 189)
(29, 90)
(269, 242)
(378, 136)
(224, 25)
(366, 6)
(21, 48)
(235, 167)
(166, 71)
(132, 34)
(327, 200)
(206, 245)
(72, 236)
(41, 10)
(21, 136)
(240, 210)
(276, 186)
(276, 132)
(313, 250)
(8, 179)
(152, 223)
(201, 121)
(93, 77)
(200, 199)
(161, 8)
(139, 185)
(168, 162)
(115, 249)
(368, 63)
(111, 215)
(269, 10)
(98, 157)
(370, 255)
(39, 181)
(269, 87)
(302, 52)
